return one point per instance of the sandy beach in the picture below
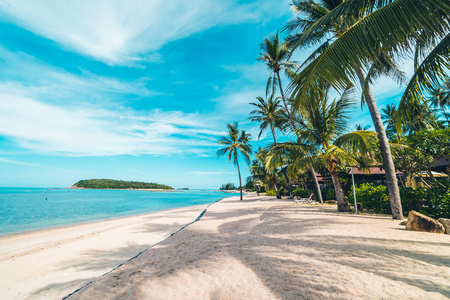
(259, 248)
(51, 264)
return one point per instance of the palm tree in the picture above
(440, 99)
(389, 117)
(352, 35)
(322, 124)
(276, 56)
(235, 143)
(362, 127)
(262, 173)
(268, 114)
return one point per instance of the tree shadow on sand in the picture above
(284, 255)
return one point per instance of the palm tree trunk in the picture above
(239, 172)
(311, 169)
(388, 163)
(341, 202)
(273, 133)
(276, 191)
(316, 184)
(291, 193)
(284, 98)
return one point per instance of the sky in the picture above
(133, 90)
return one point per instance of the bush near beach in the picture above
(433, 201)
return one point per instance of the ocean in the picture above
(25, 209)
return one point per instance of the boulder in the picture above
(446, 224)
(420, 222)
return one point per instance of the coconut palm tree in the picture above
(276, 56)
(355, 35)
(263, 173)
(389, 117)
(236, 143)
(322, 124)
(268, 113)
(440, 99)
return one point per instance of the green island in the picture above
(118, 184)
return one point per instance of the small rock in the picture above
(330, 201)
(420, 222)
(404, 222)
(446, 224)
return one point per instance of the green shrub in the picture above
(372, 197)
(283, 192)
(300, 192)
(433, 201)
(331, 194)
(271, 193)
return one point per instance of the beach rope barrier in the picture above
(143, 251)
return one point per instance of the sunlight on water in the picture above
(23, 209)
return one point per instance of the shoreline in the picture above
(67, 258)
(92, 222)
(107, 218)
(260, 247)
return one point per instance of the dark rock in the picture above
(446, 224)
(420, 222)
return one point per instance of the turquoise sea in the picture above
(24, 209)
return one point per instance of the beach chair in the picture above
(309, 200)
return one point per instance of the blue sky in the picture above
(132, 90)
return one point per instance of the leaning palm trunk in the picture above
(276, 191)
(341, 202)
(388, 163)
(311, 169)
(239, 172)
(316, 184)
(291, 193)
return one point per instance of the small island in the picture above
(118, 184)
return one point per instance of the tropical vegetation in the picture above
(119, 184)
(353, 43)
(236, 143)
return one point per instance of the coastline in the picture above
(59, 221)
(93, 222)
(264, 248)
(261, 248)
(65, 258)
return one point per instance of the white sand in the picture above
(51, 264)
(278, 250)
(259, 248)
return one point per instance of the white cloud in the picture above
(121, 32)
(49, 129)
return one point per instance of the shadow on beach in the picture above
(295, 252)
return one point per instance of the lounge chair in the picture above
(309, 200)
